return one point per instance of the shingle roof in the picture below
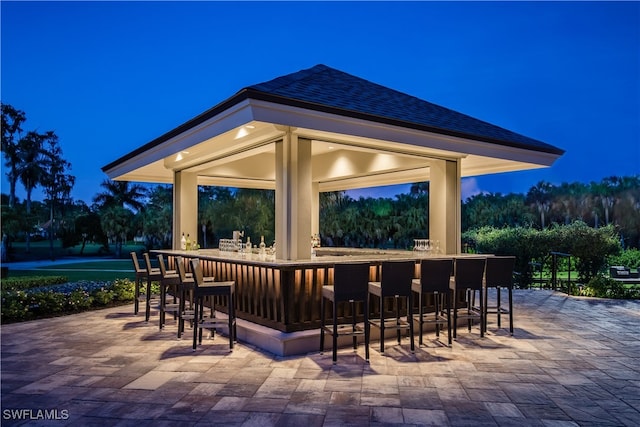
(327, 89)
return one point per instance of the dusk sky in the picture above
(109, 77)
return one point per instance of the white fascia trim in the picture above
(229, 119)
(304, 118)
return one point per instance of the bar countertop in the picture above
(323, 256)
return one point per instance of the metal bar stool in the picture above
(170, 281)
(499, 275)
(469, 273)
(434, 281)
(350, 284)
(141, 274)
(204, 289)
(395, 282)
(153, 275)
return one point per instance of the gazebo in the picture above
(321, 129)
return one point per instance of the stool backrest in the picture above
(469, 273)
(196, 269)
(136, 264)
(351, 281)
(435, 274)
(396, 277)
(500, 271)
(147, 261)
(163, 268)
(181, 270)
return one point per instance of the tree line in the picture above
(122, 211)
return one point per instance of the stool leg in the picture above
(410, 314)
(335, 332)
(498, 289)
(367, 330)
(436, 302)
(420, 314)
(136, 302)
(483, 317)
(148, 301)
(381, 324)
(448, 301)
(322, 316)
(397, 304)
(195, 325)
(510, 311)
(455, 314)
(231, 315)
(353, 325)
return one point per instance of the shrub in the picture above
(31, 282)
(604, 287)
(44, 301)
(628, 258)
(589, 246)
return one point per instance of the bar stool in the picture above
(469, 274)
(204, 289)
(350, 284)
(499, 275)
(153, 275)
(141, 274)
(170, 280)
(434, 281)
(186, 294)
(395, 281)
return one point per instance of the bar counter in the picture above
(285, 295)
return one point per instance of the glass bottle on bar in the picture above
(183, 243)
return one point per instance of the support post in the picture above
(445, 222)
(185, 206)
(293, 197)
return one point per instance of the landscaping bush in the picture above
(604, 287)
(589, 247)
(45, 301)
(31, 282)
(627, 258)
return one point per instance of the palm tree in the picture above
(30, 168)
(121, 193)
(540, 197)
(12, 120)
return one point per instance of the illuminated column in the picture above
(315, 208)
(445, 205)
(185, 206)
(293, 197)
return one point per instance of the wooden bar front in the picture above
(285, 295)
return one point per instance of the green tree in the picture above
(116, 222)
(56, 182)
(32, 157)
(539, 196)
(12, 120)
(121, 193)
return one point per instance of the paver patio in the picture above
(572, 361)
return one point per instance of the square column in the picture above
(293, 197)
(445, 205)
(185, 206)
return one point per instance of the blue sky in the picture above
(108, 77)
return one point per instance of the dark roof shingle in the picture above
(325, 88)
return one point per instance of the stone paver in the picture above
(571, 362)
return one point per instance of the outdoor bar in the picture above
(285, 295)
(312, 131)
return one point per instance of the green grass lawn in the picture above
(40, 250)
(89, 270)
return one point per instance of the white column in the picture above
(293, 197)
(185, 206)
(445, 197)
(315, 208)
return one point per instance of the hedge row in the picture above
(589, 247)
(45, 301)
